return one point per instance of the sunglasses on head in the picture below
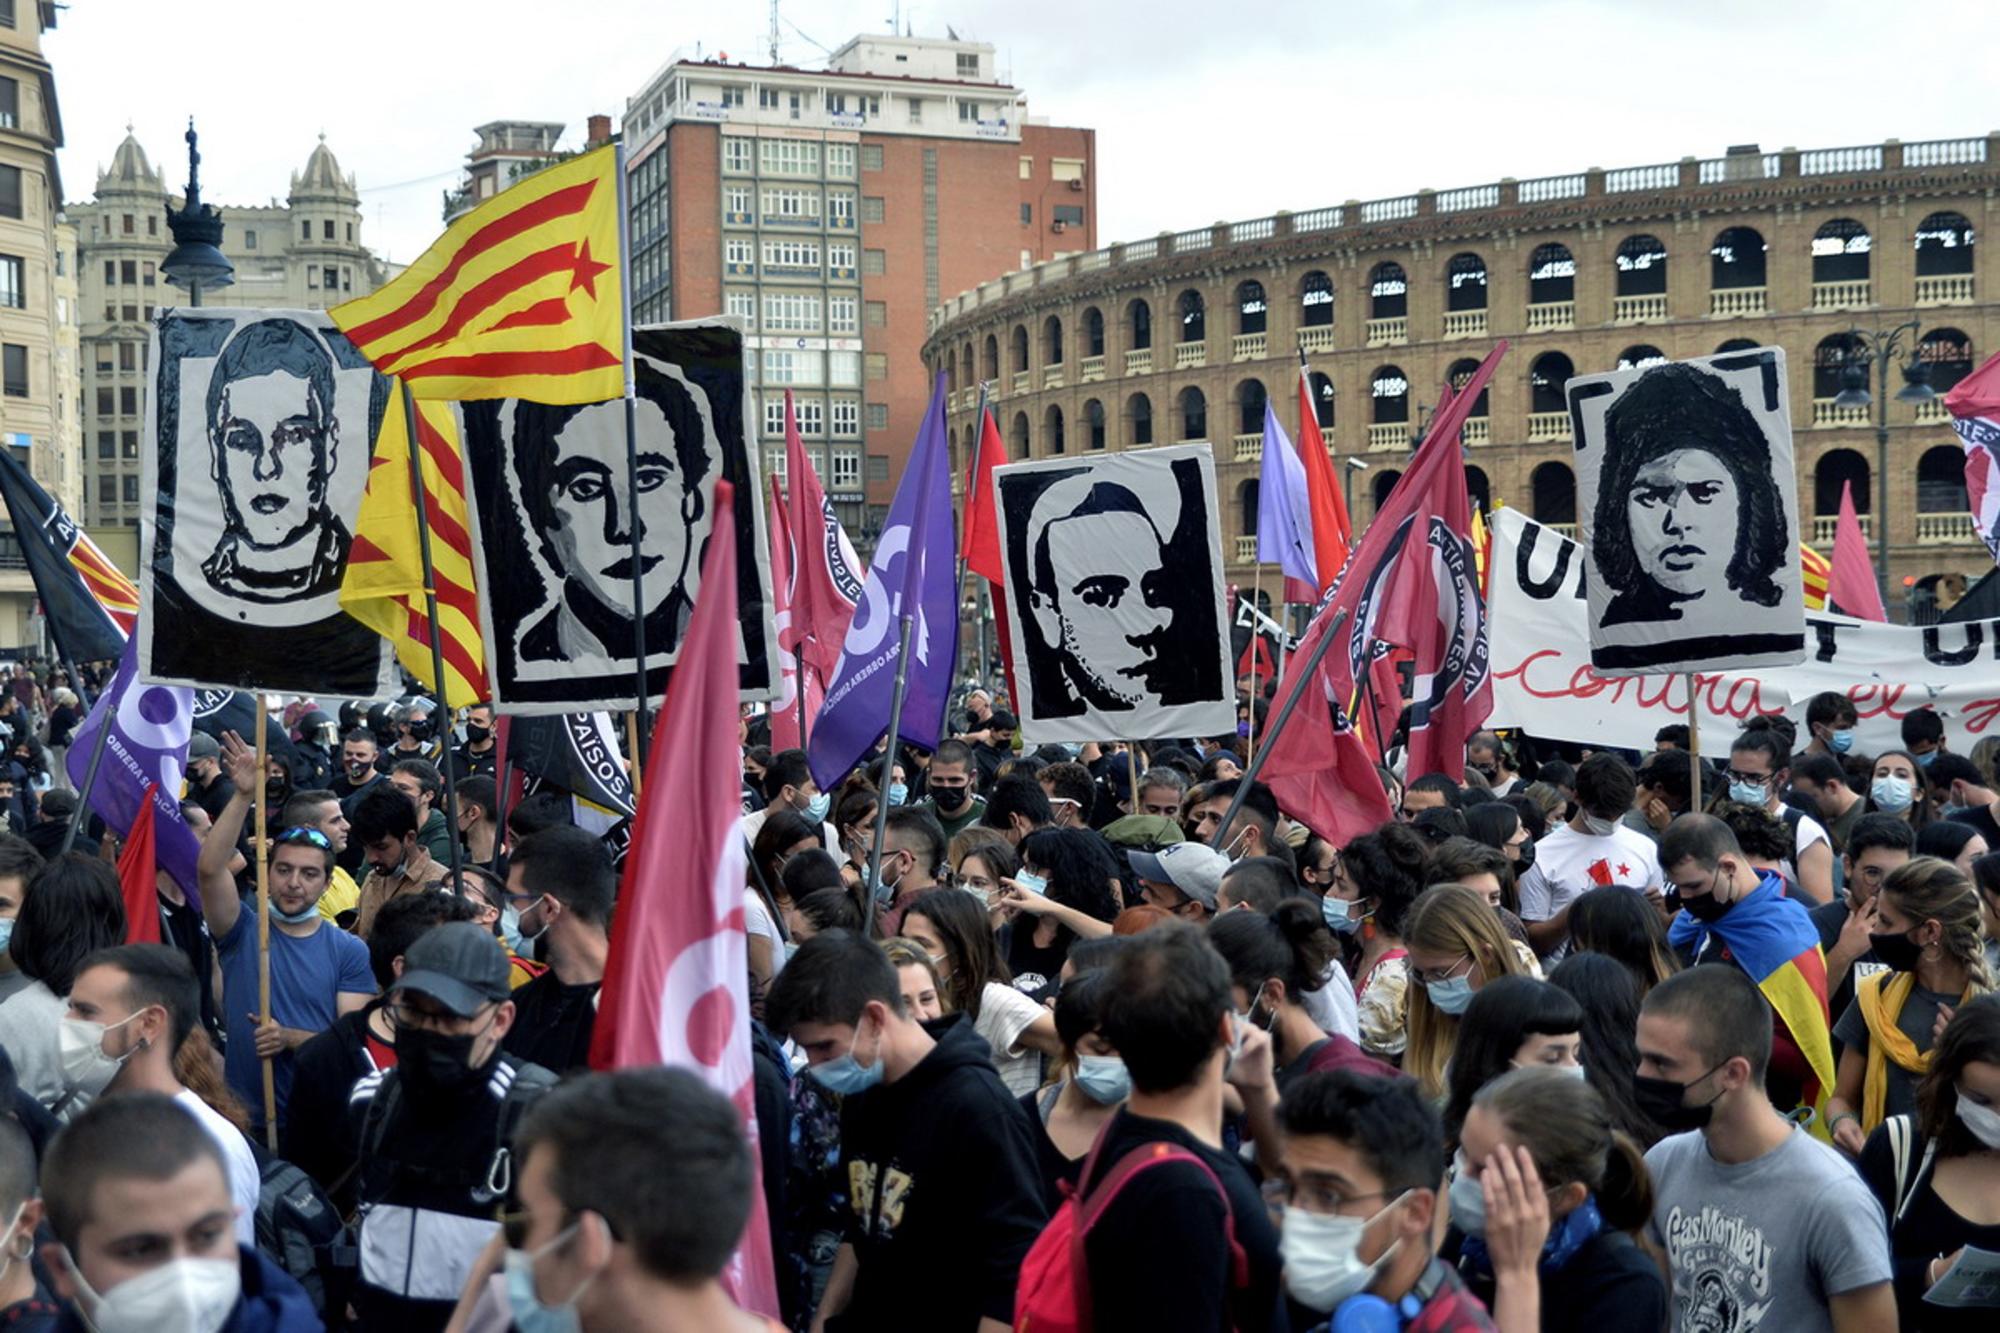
(310, 836)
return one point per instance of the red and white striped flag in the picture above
(676, 983)
(1974, 404)
(786, 732)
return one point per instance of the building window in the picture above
(129, 313)
(1027, 167)
(305, 228)
(107, 444)
(1551, 275)
(332, 279)
(1027, 215)
(836, 103)
(1465, 283)
(1388, 292)
(871, 157)
(62, 263)
(878, 365)
(1944, 245)
(871, 208)
(732, 94)
(878, 416)
(843, 371)
(916, 111)
(128, 356)
(1642, 267)
(843, 314)
(791, 254)
(774, 414)
(249, 240)
(10, 193)
(874, 263)
(326, 229)
(128, 402)
(128, 272)
(7, 13)
(1067, 215)
(840, 255)
(846, 469)
(106, 401)
(876, 313)
(129, 439)
(13, 291)
(152, 224)
(107, 490)
(741, 304)
(968, 111)
(10, 105)
(1840, 252)
(785, 204)
(840, 208)
(840, 160)
(735, 153)
(811, 413)
(737, 250)
(1066, 170)
(767, 99)
(129, 485)
(110, 273)
(846, 419)
(736, 201)
(14, 369)
(791, 312)
(788, 157)
(146, 274)
(968, 64)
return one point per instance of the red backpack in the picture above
(1054, 1291)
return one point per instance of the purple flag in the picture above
(1284, 510)
(150, 727)
(913, 563)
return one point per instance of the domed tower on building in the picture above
(326, 230)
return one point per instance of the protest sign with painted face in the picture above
(1690, 522)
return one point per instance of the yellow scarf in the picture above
(1882, 996)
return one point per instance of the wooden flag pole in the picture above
(263, 922)
(1694, 750)
(1285, 711)
(640, 692)
(420, 501)
(632, 748)
(1132, 769)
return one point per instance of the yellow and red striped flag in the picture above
(1814, 570)
(520, 298)
(383, 587)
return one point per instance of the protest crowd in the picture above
(460, 956)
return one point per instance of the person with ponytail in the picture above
(1274, 962)
(1091, 1083)
(1456, 946)
(1927, 930)
(1937, 1173)
(1375, 879)
(1552, 1203)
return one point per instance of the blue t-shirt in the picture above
(307, 973)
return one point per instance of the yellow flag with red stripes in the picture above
(1814, 570)
(520, 298)
(383, 587)
(1482, 545)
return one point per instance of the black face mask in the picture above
(435, 1061)
(1707, 908)
(1663, 1102)
(276, 792)
(476, 734)
(1527, 856)
(1900, 952)
(951, 798)
(937, 1027)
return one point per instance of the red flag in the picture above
(826, 577)
(981, 546)
(676, 980)
(1412, 583)
(1332, 538)
(139, 875)
(785, 732)
(1851, 587)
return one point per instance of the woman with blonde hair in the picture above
(1927, 929)
(1455, 946)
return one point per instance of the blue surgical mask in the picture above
(1924, 760)
(1032, 882)
(1451, 995)
(510, 929)
(308, 913)
(1944, 812)
(899, 792)
(1840, 742)
(1103, 1078)
(844, 1075)
(1338, 913)
(817, 807)
(1468, 1200)
(525, 1306)
(7, 931)
(1891, 793)
(1750, 793)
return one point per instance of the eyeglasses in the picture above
(1737, 775)
(1418, 974)
(1314, 1197)
(303, 834)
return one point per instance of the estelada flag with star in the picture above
(519, 298)
(383, 587)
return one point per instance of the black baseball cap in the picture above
(458, 964)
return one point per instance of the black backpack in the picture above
(301, 1231)
(530, 1082)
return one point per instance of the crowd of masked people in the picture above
(1076, 1037)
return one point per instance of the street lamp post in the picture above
(1883, 347)
(197, 260)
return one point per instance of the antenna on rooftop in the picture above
(774, 31)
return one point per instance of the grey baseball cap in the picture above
(459, 965)
(201, 745)
(1195, 868)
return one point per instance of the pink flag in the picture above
(676, 981)
(1974, 404)
(826, 579)
(785, 731)
(1851, 587)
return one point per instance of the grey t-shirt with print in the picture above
(1763, 1244)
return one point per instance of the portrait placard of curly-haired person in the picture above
(1687, 492)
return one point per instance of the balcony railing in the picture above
(1318, 338)
(1551, 315)
(1392, 435)
(1139, 361)
(1945, 289)
(1638, 309)
(1841, 295)
(1546, 426)
(1052, 377)
(1825, 525)
(1190, 354)
(1090, 370)
(1478, 430)
(1389, 332)
(1465, 324)
(1561, 529)
(1932, 412)
(1945, 529)
(1248, 448)
(1246, 548)
(1826, 413)
(1019, 384)
(1729, 302)
(1246, 347)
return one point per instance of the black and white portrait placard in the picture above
(259, 427)
(1114, 593)
(553, 517)
(1689, 504)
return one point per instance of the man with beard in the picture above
(431, 1133)
(951, 797)
(480, 755)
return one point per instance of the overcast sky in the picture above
(1204, 111)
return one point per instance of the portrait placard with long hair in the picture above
(552, 534)
(258, 427)
(1113, 567)
(1688, 501)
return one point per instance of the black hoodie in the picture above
(943, 1192)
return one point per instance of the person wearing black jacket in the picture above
(944, 1194)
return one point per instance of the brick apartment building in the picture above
(834, 209)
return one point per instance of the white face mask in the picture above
(185, 1295)
(1468, 1199)
(1322, 1256)
(1983, 1121)
(85, 1065)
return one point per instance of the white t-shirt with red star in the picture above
(1569, 864)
